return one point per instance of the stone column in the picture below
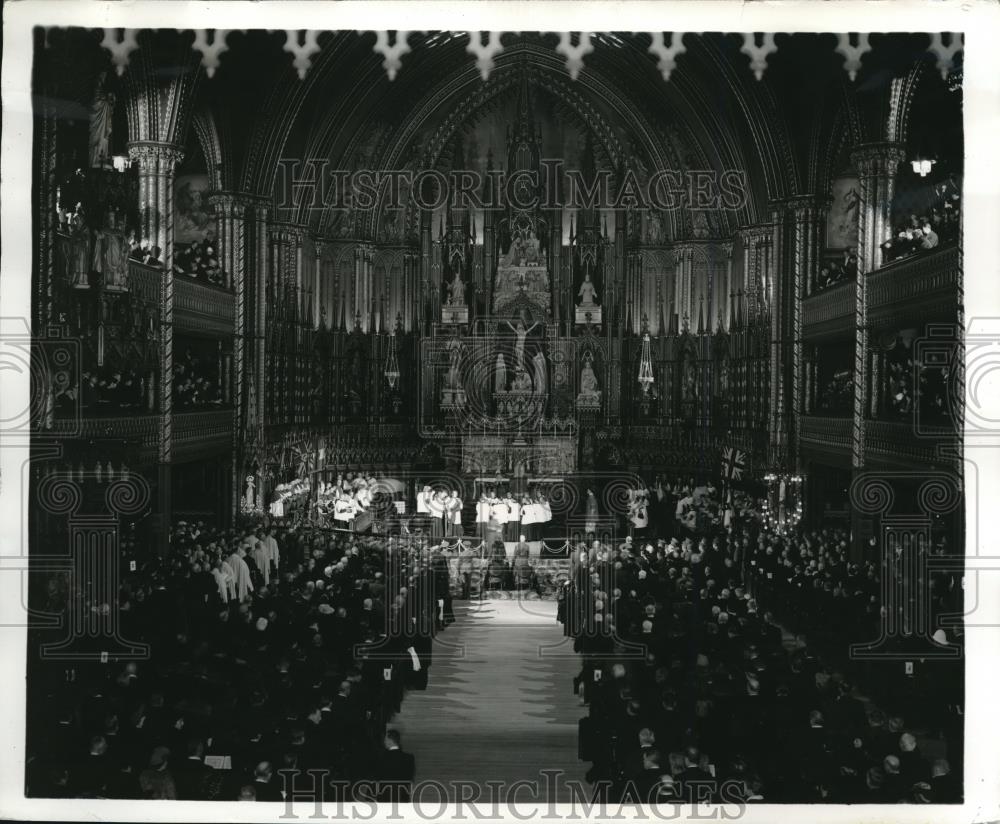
(156, 163)
(231, 211)
(260, 327)
(876, 166)
(319, 247)
(795, 261)
(723, 289)
(683, 262)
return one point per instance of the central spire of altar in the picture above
(522, 273)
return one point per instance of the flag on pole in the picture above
(734, 461)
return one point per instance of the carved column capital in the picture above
(154, 157)
(874, 159)
(231, 204)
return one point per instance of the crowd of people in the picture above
(350, 495)
(687, 674)
(505, 516)
(196, 381)
(290, 498)
(279, 647)
(899, 388)
(910, 391)
(110, 390)
(200, 260)
(836, 396)
(272, 649)
(143, 251)
(841, 270)
(937, 225)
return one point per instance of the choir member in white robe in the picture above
(423, 507)
(513, 516)
(437, 506)
(529, 518)
(500, 512)
(454, 515)
(482, 515)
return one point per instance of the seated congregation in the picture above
(688, 676)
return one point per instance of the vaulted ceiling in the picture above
(786, 131)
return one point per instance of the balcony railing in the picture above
(830, 313)
(916, 288)
(830, 436)
(202, 307)
(141, 428)
(202, 434)
(901, 443)
(197, 434)
(198, 306)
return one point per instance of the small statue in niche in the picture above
(587, 293)
(456, 291)
(101, 116)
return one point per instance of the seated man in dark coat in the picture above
(397, 770)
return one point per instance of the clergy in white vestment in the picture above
(273, 552)
(344, 509)
(222, 581)
(229, 576)
(241, 574)
(261, 559)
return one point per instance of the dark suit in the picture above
(396, 776)
(267, 790)
(697, 785)
(189, 779)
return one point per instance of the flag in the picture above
(734, 461)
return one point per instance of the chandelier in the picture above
(646, 378)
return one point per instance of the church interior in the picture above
(627, 363)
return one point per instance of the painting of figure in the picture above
(192, 216)
(842, 220)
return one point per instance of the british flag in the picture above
(734, 461)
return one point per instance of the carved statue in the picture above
(532, 248)
(522, 382)
(111, 256)
(654, 228)
(101, 115)
(78, 252)
(521, 333)
(454, 363)
(250, 497)
(539, 368)
(500, 383)
(588, 380)
(587, 294)
(456, 291)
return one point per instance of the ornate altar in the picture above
(514, 281)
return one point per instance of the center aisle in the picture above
(499, 705)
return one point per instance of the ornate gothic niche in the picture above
(655, 290)
(361, 152)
